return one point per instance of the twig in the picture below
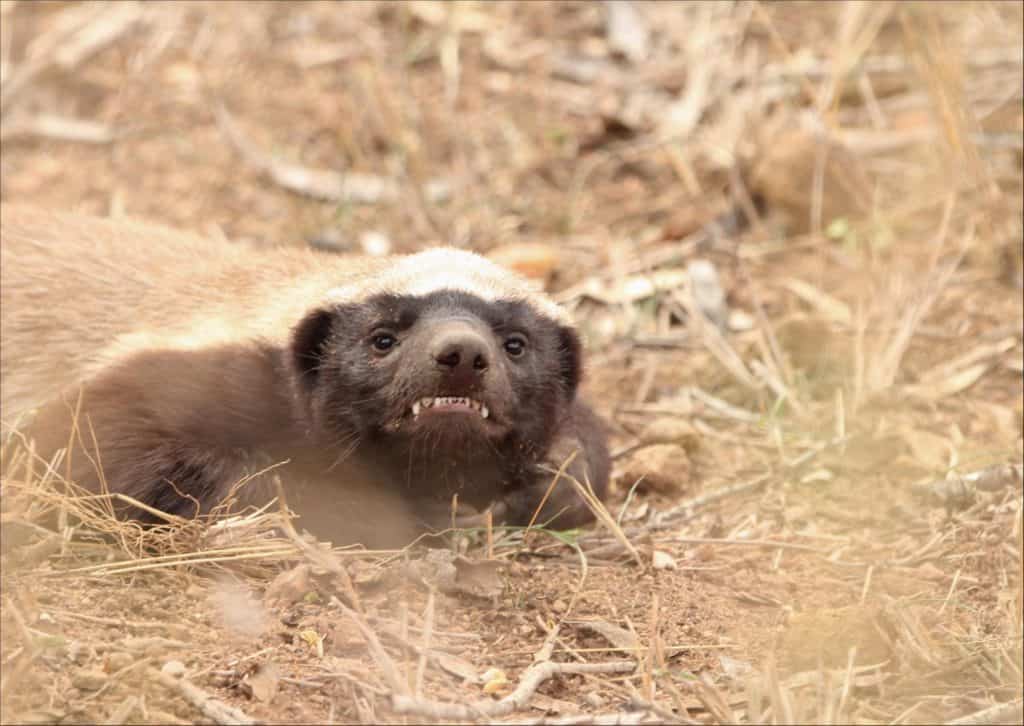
(958, 491)
(1011, 712)
(534, 676)
(218, 711)
(688, 509)
(625, 717)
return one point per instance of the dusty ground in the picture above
(852, 172)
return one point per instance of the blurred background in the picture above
(791, 233)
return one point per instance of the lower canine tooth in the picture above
(484, 412)
(416, 409)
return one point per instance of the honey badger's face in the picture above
(444, 374)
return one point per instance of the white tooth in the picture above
(484, 412)
(416, 409)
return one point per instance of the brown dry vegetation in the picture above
(817, 505)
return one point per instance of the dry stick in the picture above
(218, 711)
(392, 675)
(136, 624)
(551, 487)
(534, 676)
(328, 562)
(601, 719)
(428, 629)
(751, 543)
(604, 516)
(688, 509)
(1012, 712)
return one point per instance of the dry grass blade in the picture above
(605, 517)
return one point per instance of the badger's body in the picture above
(389, 384)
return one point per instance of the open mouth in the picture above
(451, 404)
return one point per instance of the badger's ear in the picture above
(570, 358)
(309, 345)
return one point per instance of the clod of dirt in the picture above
(118, 660)
(451, 573)
(789, 165)
(239, 610)
(671, 431)
(824, 637)
(289, 587)
(663, 467)
(262, 684)
(89, 679)
(174, 669)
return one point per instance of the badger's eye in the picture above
(515, 346)
(383, 341)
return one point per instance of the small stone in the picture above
(663, 561)
(593, 700)
(174, 669)
(195, 590)
(89, 679)
(559, 606)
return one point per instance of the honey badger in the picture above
(386, 384)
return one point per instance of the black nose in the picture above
(461, 352)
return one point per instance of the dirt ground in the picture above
(791, 234)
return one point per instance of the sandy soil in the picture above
(851, 172)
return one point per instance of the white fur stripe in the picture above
(446, 268)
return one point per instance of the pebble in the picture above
(663, 561)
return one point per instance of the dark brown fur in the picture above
(179, 425)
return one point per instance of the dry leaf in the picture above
(495, 681)
(534, 260)
(478, 577)
(314, 640)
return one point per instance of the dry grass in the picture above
(817, 511)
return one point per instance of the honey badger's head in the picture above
(450, 370)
